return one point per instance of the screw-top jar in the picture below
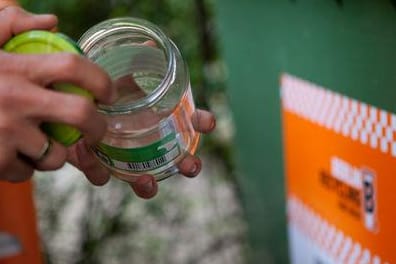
(149, 126)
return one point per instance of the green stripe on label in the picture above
(147, 153)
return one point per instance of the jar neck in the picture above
(117, 32)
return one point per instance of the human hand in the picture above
(28, 78)
(26, 101)
(146, 186)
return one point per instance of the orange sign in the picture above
(19, 241)
(340, 164)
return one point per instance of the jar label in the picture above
(140, 159)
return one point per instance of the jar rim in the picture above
(111, 26)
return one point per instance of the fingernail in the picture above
(42, 15)
(212, 124)
(48, 17)
(194, 169)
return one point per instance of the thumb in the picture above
(14, 20)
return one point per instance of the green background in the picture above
(347, 46)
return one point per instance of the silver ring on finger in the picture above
(45, 150)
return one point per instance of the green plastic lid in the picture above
(44, 42)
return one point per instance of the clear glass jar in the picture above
(149, 126)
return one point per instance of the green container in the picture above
(348, 46)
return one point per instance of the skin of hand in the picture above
(146, 186)
(26, 102)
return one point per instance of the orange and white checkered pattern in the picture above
(341, 114)
(338, 246)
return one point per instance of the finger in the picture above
(19, 171)
(14, 20)
(127, 84)
(150, 43)
(190, 166)
(31, 141)
(49, 69)
(203, 121)
(64, 108)
(54, 159)
(72, 156)
(79, 113)
(87, 163)
(145, 186)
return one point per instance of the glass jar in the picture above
(149, 126)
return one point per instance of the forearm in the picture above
(5, 3)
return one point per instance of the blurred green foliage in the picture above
(189, 23)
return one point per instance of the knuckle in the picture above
(68, 63)
(56, 158)
(12, 12)
(84, 110)
(7, 128)
(10, 87)
(46, 102)
(15, 66)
